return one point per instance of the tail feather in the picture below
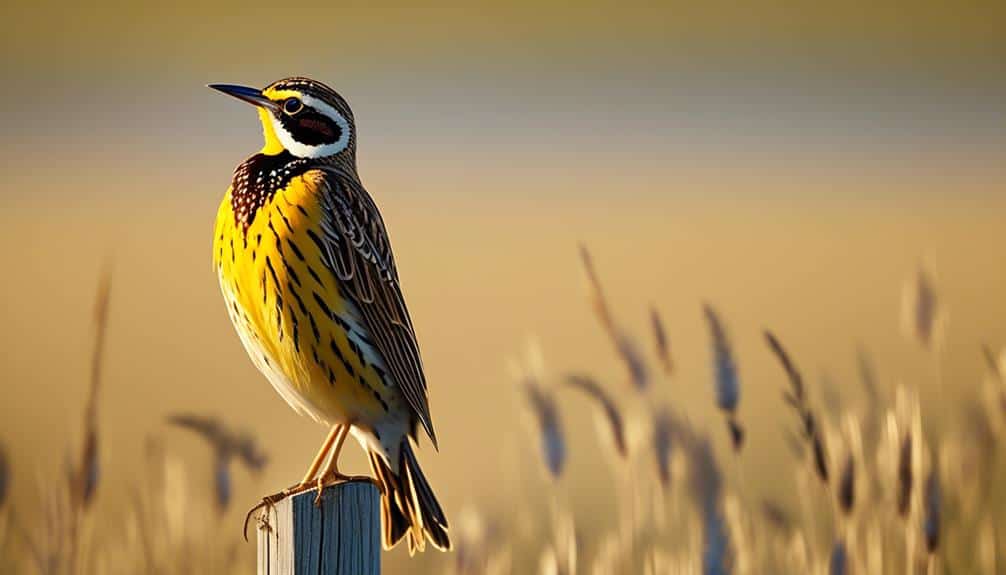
(408, 506)
(395, 524)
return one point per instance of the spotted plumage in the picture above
(310, 282)
(258, 178)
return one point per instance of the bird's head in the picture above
(302, 116)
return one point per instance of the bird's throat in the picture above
(272, 145)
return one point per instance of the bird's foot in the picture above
(334, 478)
(270, 501)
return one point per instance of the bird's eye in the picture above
(292, 105)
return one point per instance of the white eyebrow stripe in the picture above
(301, 150)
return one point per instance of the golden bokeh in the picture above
(792, 163)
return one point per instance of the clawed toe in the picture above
(266, 503)
(336, 478)
(328, 480)
(270, 501)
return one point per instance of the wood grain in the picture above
(342, 536)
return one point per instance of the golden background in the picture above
(792, 163)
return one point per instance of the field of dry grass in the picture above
(866, 476)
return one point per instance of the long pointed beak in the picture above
(251, 95)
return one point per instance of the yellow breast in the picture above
(289, 311)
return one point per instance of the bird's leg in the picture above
(331, 475)
(332, 469)
(269, 501)
(333, 435)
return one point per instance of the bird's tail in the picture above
(408, 506)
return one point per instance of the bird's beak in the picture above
(251, 95)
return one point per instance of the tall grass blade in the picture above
(796, 397)
(624, 345)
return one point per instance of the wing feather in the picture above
(360, 255)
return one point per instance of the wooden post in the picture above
(342, 536)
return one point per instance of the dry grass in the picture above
(544, 409)
(661, 343)
(727, 382)
(796, 397)
(227, 445)
(624, 345)
(612, 417)
(60, 541)
(876, 490)
(164, 530)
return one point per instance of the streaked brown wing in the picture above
(359, 254)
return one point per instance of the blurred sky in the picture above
(792, 162)
(569, 94)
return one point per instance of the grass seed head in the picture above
(546, 413)
(736, 432)
(224, 441)
(905, 476)
(598, 300)
(820, 456)
(931, 525)
(725, 379)
(727, 384)
(663, 346)
(796, 397)
(797, 393)
(920, 310)
(663, 432)
(633, 360)
(609, 409)
(847, 485)
(625, 346)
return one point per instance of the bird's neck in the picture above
(257, 180)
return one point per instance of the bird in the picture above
(309, 279)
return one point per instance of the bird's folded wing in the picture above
(359, 253)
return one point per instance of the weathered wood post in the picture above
(342, 536)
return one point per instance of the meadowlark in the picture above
(311, 286)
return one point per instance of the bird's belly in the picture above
(289, 312)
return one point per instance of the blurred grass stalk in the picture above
(625, 346)
(59, 541)
(877, 491)
(867, 514)
(725, 378)
(227, 446)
